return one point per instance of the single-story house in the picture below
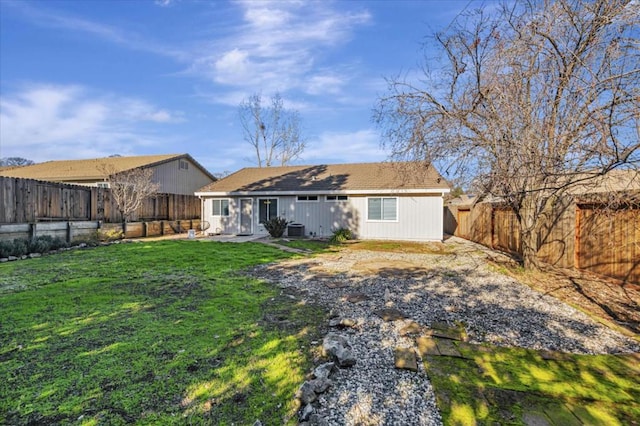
(175, 173)
(395, 201)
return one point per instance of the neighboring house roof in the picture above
(92, 169)
(613, 181)
(464, 201)
(359, 177)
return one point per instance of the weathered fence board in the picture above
(27, 201)
(594, 238)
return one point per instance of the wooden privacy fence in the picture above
(573, 235)
(29, 201)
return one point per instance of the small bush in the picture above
(6, 248)
(20, 247)
(40, 244)
(341, 235)
(276, 226)
(58, 243)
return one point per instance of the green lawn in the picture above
(495, 385)
(150, 333)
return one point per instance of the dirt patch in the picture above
(615, 302)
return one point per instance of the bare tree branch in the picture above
(130, 188)
(273, 131)
(529, 103)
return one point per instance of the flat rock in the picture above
(448, 348)
(405, 359)
(390, 314)
(357, 297)
(427, 346)
(337, 284)
(342, 323)
(411, 328)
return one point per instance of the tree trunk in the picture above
(529, 234)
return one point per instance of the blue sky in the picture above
(86, 79)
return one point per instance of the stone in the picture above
(405, 359)
(357, 297)
(306, 412)
(257, 423)
(338, 348)
(427, 346)
(323, 371)
(317, 420)
(34, 255)
(390, 314)
(4, 259)
(337, 284)
(411, 328)
(12, 258)
(447, 348)
(342, 323)
(307, 394)
(321, 385)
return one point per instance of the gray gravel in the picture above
(453, 288)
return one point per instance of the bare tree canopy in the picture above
(531, 101)
(273, 131)
(130, 188)
(15, 161)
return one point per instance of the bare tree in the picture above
(130, 188)
(273, 131)
(530, 101)
(15, 161)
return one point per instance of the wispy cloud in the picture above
(43, 122)
(279, 46)
(50, 18)
(346, 147)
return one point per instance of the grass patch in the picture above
(494, 385)
(150, 333)
(400, 246)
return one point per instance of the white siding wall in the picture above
(419, 217)
(222, 224)
(174, 180)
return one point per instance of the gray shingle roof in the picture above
(331, 177)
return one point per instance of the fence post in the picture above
(145, 229)
(69, 235)
(576, 248)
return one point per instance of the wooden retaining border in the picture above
(82, 230)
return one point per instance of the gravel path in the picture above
(451, 288)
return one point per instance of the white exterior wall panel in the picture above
(419, 218)
(221, 224)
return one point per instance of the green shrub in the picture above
(40, 244)
(276, 226)
(20, 247)
(341, 235)
(58, 243)
(6, 248)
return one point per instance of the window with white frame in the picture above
(307, 198)
(220, 207)
(382, 208)
(337, 197)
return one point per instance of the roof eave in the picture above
(325, 192)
